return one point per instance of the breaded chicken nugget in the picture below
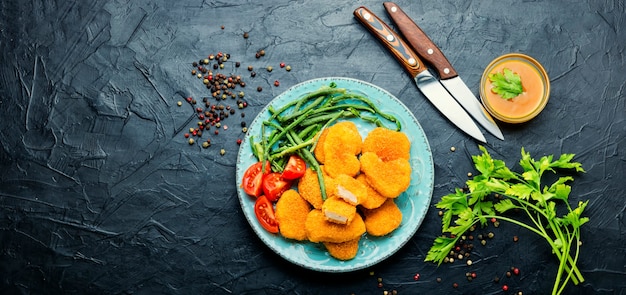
(384, 219)
(389, 178)
(372, 199)
(349, 189)
(319, 146)
(387, 144)
(320, 230)
(309, 187)
(338, 211)
(347, 134)
(343, 251)
(291, 213)
(341, 146)
(341, 163)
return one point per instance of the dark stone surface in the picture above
(100, 193)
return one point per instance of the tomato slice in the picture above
(265, 214)
(253, 178)
(295, 168)
(274, 186)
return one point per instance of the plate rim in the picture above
(344, 265)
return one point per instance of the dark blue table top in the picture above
(101, 193)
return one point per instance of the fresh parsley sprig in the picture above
(523, 192)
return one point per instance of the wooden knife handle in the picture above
(420, 42)
(400, 50)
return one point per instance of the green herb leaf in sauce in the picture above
(507, 84)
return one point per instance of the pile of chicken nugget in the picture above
(362, 178)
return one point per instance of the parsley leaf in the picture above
(507, 84)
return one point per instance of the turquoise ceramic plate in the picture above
(413, 203)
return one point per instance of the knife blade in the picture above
(425, 81)
(449, 78)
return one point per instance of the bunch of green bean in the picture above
(294, 128)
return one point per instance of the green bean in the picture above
(322, 91)
(306, 109)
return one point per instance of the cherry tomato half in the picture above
(274, 186)
(295, 168)
(253, 178)
(265, 214)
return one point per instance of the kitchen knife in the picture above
(426, 82)
(449, 78)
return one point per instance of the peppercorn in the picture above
(179, 103)
(238, 141)
(269, 68)
(490, 235)
(452, 149)
(191, 141)
(205, 144)
(222, 152)
(250, 68)
(515, 239)
(262, 52)
(252, 74)
(505, 288)
(222, 27)
(237, 64)
(257, 55)
(194, 64)
(245, 35)
(288, 68)
(244, 129)
(276, 83)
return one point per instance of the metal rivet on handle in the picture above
(389, 38)
(446, 70)
(394, 9)
(412, 61)
(430, 51)
(366, 15)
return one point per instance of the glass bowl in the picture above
(535, 85)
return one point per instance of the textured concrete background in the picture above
(100, 193)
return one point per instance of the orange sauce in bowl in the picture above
(530, 102)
